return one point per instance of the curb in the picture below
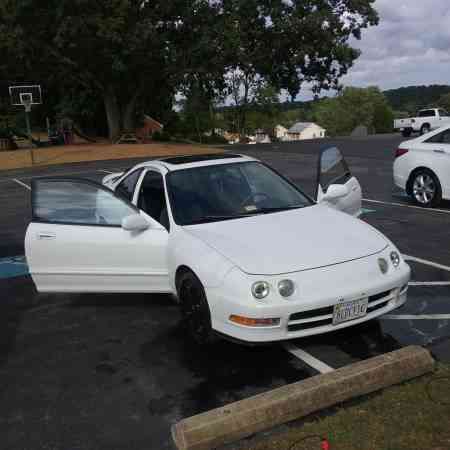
(243, 418)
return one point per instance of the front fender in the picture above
(187, 250)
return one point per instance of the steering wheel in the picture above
(253, 194)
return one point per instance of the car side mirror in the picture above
(135, 222)
(335, 192)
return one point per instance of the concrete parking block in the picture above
(243, 418)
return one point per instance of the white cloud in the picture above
(410, 46)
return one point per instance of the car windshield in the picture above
(230, 191)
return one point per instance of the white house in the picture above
(305, 130)
(280, 132)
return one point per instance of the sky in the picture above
(410, 46)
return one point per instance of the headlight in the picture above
(286, 288)
(395, 258)
(260, 289)
(383, 264)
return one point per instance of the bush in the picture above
(161, 136)
(214, 139)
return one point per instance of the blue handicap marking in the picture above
(13, 266)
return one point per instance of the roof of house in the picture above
(299, 127)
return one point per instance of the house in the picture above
(149, 127)
(305, 130)
(280, 132)
(262, 136)
(232, 138)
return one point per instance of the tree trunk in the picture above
(129, 114)
(113, 115)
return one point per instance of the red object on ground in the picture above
(325, 445)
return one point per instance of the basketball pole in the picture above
(27, 120)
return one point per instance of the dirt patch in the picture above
(94, 152)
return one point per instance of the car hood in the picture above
(291, 241)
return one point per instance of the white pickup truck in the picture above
(426, 120)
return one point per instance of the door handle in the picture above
(440, 150)
(46, 235)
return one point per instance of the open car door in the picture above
(84, 238)
(336, 186)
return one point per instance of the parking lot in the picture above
(115, 371)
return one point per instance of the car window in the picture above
(440, 138)
(427, 113)
(152, 198)
(443, 113)
(128, 184)
(77, 202)
(333, 168)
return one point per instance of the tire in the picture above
(195, 311)
(424, 188)
(406, 132)
(425, 129)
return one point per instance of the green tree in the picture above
(135, 53)
(353, 107)
(444, 102)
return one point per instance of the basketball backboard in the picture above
(25, 95)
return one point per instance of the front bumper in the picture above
(300, 317)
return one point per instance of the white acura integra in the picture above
(247, 254)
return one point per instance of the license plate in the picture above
(350, 310)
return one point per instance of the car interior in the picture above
(152, 199)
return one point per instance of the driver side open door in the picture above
(336, 186)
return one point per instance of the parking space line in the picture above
(416, 317)
(22, 184)
(426, 262)
(407, 206)
(429, 283)
(104, 171)
(307, 358)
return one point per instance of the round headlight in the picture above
(383, 265)
(395, 258)
(286, 288)
(260, 289)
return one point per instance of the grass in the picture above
(411, 416)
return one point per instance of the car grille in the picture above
(320, 317)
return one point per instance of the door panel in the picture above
(332, 170)
(75, 242)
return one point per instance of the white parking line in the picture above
(426, 262)
(407, 206)
(22, 184)
(307, 358)
(416, 317)
(104, 171)
(429, 283)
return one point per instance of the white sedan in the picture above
(422, 167)
(246, 253)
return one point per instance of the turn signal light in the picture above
(400, 152)
(249, 322)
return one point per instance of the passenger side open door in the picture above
(85, 238)
(336, 186)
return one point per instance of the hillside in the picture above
(412, 98)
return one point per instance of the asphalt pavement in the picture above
(115, 371)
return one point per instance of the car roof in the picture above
(173, 163)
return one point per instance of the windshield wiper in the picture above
(279, 208)
(214, 218)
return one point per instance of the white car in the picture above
(422, 167)
(425, 121)
(247, 254)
